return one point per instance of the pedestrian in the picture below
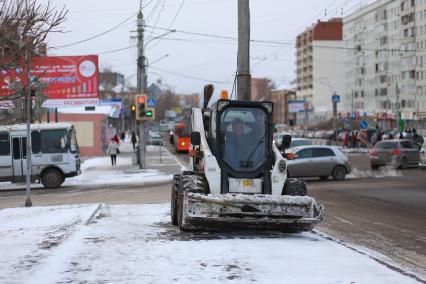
(112, 150)
(417, 138)
(116, 139)
(351, 139)
(122, 135)
(409, 134)
(355, 140)
(344, 138)
(133, 139)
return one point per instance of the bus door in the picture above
(5, 157)
(19, 157)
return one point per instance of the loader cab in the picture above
(240, 135)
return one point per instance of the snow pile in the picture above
(98, 171)
(383, 172)
(137, 244)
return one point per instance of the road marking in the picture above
(343, 220)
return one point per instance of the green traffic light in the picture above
(148, 113)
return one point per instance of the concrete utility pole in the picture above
(141, 84)
(243, 72)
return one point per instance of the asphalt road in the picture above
(384, 210)
(385, 214)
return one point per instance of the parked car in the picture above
(296, 142)
(155, 138)
(399, 153)
(319, 161)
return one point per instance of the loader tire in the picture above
(193, 183)
(179, 202)
(295, 187)
(174, 199)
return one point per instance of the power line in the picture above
(103, 33)
(98, 35)
(216, 36)
(188, 76)
(291, 44)
(174, 19)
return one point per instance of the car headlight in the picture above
(282, 166)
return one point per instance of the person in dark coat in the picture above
(133, 139)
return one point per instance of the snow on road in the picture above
(137, 244)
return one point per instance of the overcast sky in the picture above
(203, 58)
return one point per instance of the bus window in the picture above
(54, 141)
(35, 142)
(4, 144)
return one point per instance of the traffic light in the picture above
(140, 107)
(133, 108)
(142, 110)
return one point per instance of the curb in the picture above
(390, 265)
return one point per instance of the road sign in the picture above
(151, 103)
(335, 99)
(363, 124)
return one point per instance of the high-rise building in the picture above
(320, 63)
(385, 52)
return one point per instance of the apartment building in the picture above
(385, 46)
(320, 67)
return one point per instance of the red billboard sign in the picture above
(67, 80)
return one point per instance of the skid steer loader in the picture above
(238, 177)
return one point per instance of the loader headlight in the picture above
(282, 166)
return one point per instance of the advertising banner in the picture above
(116, 106)
(65, 80)
(295, 106)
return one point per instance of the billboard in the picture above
(66, 80)
(116, 106)
(295, 106)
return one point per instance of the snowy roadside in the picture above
(136, 243)
(98, 170)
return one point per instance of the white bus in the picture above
(55, 155)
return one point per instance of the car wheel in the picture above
(375, 167)
(52, 178)
(404, 163)
(339, 173)
(323, 177)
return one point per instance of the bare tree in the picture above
(167, 101)
(24, 27)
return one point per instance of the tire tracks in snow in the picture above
(50, 269)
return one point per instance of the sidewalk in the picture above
(137, 244)
(161, 166)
